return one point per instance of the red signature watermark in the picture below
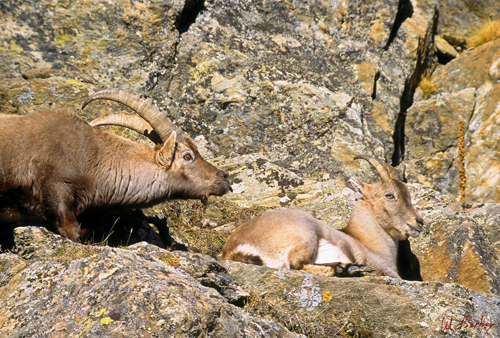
(448, 325)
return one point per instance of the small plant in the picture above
(427, 85)
(169, 259)
(488, 31)
(461, 160)
(361, 328)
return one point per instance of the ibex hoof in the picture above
(353, 270)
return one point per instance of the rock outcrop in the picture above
(53, 287)
(56, 288)
(467, 89)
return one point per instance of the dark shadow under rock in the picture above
(113, 228)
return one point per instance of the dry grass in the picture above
(205, 241)
(488, 31)
(170, 259)
(187, 223)
(427, 85)
(461, 160)
(68, 253)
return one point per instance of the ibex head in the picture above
(390, 201)
(190, 176)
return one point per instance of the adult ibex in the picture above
(54, 165)
(294, 239)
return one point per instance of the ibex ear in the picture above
(356, 185)
(165, 155)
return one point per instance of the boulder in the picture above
(366, 307)
(460, 244)
(55, 287)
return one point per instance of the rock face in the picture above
(288, 80)
(459, 245)
(304, 86)
(468, 90)
(282, 95)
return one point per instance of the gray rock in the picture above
(467, 90)
(64, 289)
(445, 48)
(324, 307)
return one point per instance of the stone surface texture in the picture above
(55, 288)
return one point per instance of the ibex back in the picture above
(54, 165)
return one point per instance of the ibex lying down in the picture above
(54, 165)
(294, 239)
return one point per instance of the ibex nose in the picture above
(420, 222)
(223, 174)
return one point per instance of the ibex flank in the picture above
(294, 239)
(54, 165)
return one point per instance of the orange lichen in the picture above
(469, 273)
(435, 264)
(327, 296)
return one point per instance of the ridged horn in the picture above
(381, 169)
(131, 121)
(143, 107)
(392, 172)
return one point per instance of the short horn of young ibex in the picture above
(54, 165)
(294, 239)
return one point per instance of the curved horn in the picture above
(381, 169)
(143, 107)
(131, 121)
(392, 172)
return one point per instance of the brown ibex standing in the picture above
(54, 165)
(294, 239)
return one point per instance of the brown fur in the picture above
(290, 238)
(54, 165)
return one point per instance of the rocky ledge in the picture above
(51, 287)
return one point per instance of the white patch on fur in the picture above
(248, 249)
(329, 253)
(280, 260)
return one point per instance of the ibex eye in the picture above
(389, 196)
(188, 157)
